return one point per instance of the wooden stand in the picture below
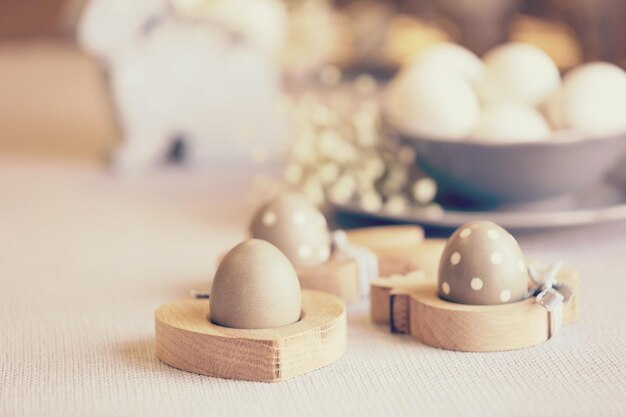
(337, 277)
(186, 339)
(385, 290)
(445, 325)
(400, 249)
(411, 267)
(386, 237)
(410, 304)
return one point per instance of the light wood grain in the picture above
(399, 303)
(382, 288)
(186, 339)
(336, 276)
(423, 256)
(386, 237)
(400, 249)
(468, 328)
(397, 266)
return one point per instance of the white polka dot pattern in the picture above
(299, 217)
(296, 227)
(481, 265)
(493, 234)
(521, 265)
(305, 251)
(476, 284)
(496, 258)
(269, 218)
(324, 254)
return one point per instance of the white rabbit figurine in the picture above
(188, 81)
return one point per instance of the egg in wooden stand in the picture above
(255, 287)
(296, 227)
(351, 264)
(300, 231)
(258, 325)
(481, 300)
(482, 264)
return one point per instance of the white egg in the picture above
(520, 73)
(552, 109)
(426, 101)
(447, 56)
(592, 99)
(511, 122)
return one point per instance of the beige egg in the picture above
(482, 264)
(430, 102)
(512, 122)
(518, 73)
(446, 56)
(296, 227)
(592, 100)
(255, 287)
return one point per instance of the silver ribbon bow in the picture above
(550, 293)
(366, 259)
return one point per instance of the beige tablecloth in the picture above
(85, 258)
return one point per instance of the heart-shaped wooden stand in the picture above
(186, 339)
(410, 304)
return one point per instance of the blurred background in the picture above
(54, 99)
(135, 85)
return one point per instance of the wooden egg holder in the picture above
(409, 304)
(396, 248)
(336, 276)
(187, 340)
(400, 249)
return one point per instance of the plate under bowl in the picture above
(599, 204)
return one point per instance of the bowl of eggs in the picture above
(508, 129)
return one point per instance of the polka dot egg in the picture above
(296, 227)
(482, 264)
